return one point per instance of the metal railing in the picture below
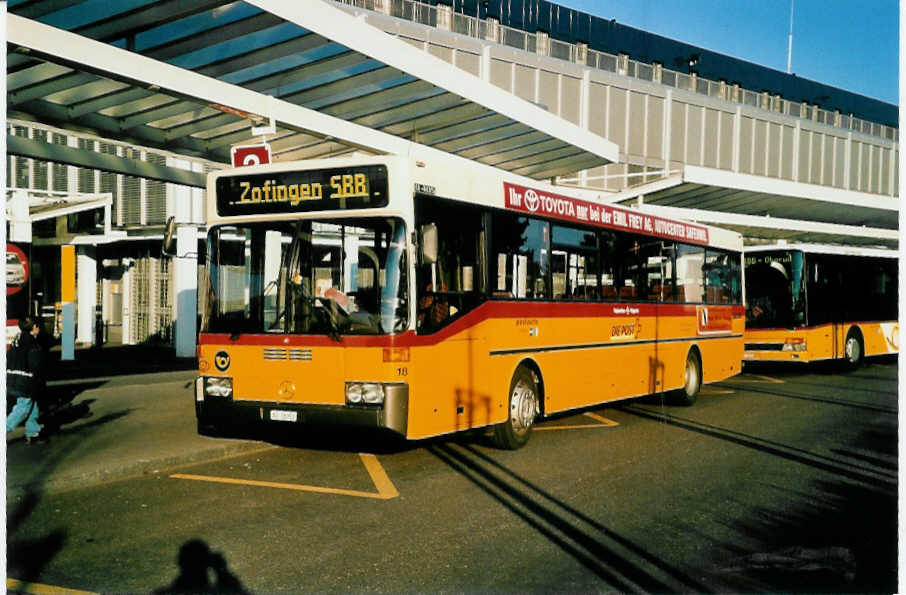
(490, 30)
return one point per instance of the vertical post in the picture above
(127, 301)
(186, 281)
(86, 263)
(67, 299)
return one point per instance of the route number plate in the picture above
(278, 415)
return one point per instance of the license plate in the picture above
(278, 415)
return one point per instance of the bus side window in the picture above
(454, 282)
(521, 252)
(574, 263)
(690, 281)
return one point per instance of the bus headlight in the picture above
(353, 393)
(218, 386)
(794, 344)
(372, 393)
(369, 393)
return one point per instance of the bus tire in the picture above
(853, 349)
(692, 381)
(523, 407)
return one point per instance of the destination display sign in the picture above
(338, 188)
(548, 204)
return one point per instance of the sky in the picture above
(850, 44)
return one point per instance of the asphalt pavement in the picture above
(116, 412)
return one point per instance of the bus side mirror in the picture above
(169, 244)
(428, 243)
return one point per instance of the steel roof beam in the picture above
(298, 45)
(48, 87)
(126, 66)
(191, 43)
(35, 9)
(354, 33)
(18, 145)
(141, 19)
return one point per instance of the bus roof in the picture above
(444, 176)
(826, 249)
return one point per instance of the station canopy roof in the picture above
(768, 209)
(195, 77)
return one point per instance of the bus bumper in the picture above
(392, 415)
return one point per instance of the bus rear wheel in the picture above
(523, 408)
(692, 381)
(853, 352)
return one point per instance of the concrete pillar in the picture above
(86, 265)
(542, 43)
(444, 17)
(657, 72)
(581, 52)
(185, 277)
(493, 32)
(623, 64)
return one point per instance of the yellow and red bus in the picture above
(810, 302)
(425, 296)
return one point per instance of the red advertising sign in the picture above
(251, 155)
(16, 269)
(541, 202)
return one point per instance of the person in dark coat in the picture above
(24, 367)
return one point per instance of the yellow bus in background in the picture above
(809, 302)
(427, 296)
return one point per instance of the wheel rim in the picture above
(853, 351)
(691, 376)
(523, 406)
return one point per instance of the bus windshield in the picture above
(775, 289)
(331, 277)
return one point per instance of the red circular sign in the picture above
(16, 269)
(251, 155)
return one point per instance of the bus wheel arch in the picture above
(854, 347)
(524, 405)
(692, 379)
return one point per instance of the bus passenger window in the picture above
(657, 271)
(455, 282)
(574, 263)
(722, 277)
(520, 248)
(690, 281)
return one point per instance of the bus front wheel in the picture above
(692, 381)
(852, 349)
(523, 408)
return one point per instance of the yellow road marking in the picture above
(385, 488)
(379, 477)
(603, 423)
(39, 589)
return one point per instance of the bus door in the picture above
(656, 283)
(822, 292)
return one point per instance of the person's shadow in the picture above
(202, 571)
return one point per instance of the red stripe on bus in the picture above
(487, 310)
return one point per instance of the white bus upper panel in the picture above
(269, 192)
